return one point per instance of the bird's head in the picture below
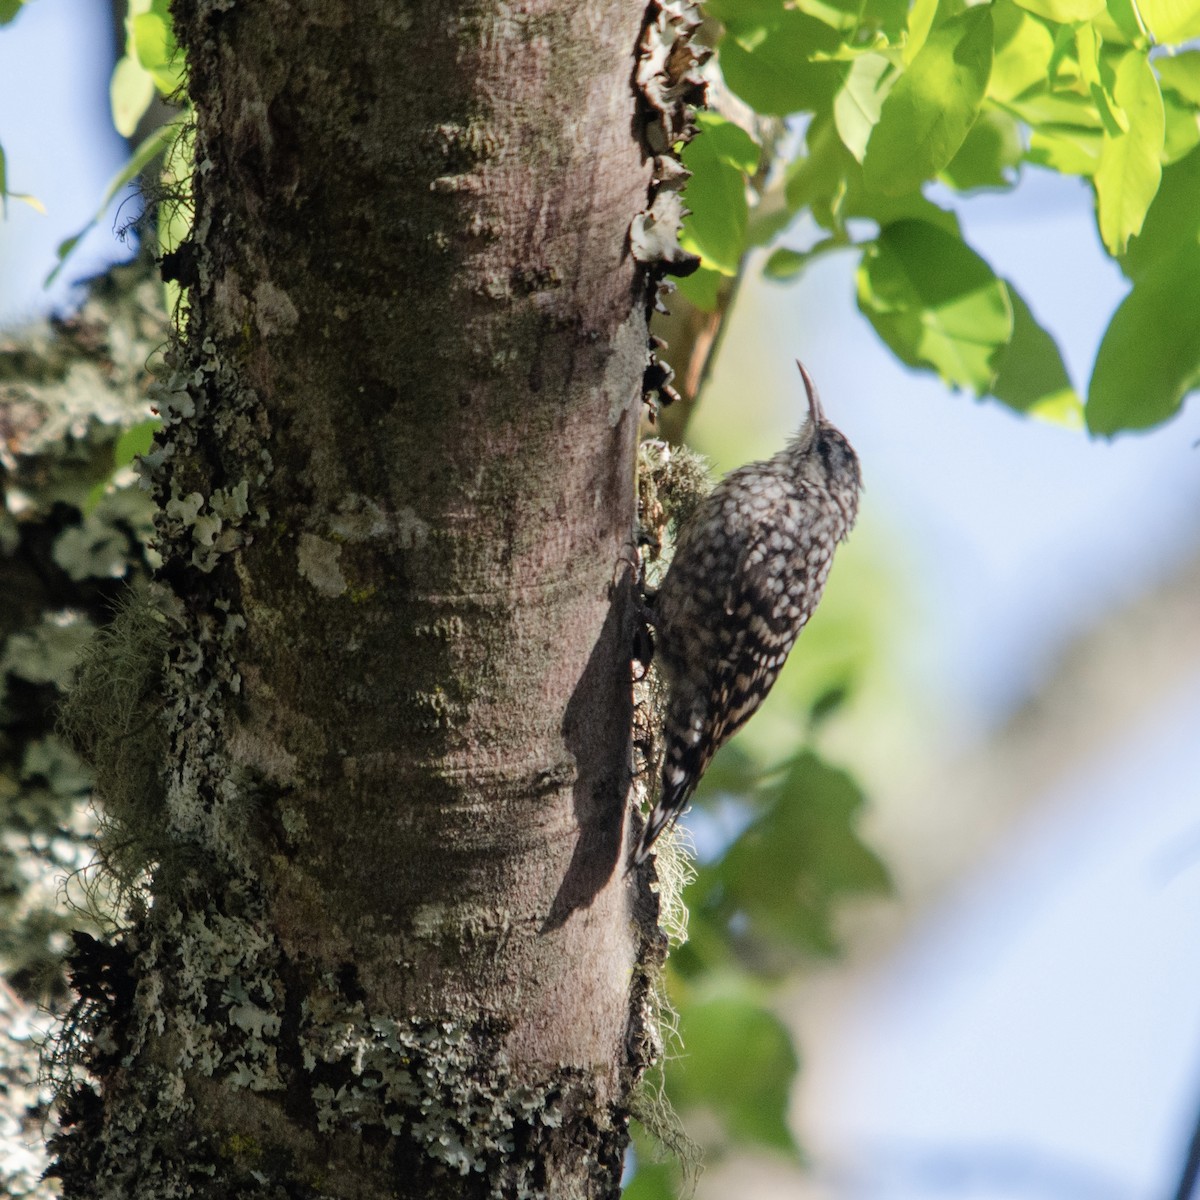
(826, 458)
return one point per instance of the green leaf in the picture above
(702, 288)
(157, 143)
(829, 702)
(830, 183)
(817, 180)
(920, 22)
(739, 1064)
(989, 156)
(1042, 108)
(1130, 162)
(135, 441)
(1023, 50)
(927, 115)
(1097, 75)
(1172, 221)
(1068, 150)
(856, 107)
(771, 65)
(936, 303)
(1149, 359)
(1171, 21)
(1181, 73)
(729, 143)
(856, 20)
(152, 35)
(1122, 24)
(744, 14)
(130, 92)
(1182, 128)
(842, 16)
(778, 886)
(653, 1181)
(716, 193)
(6, 195)
(1066, 11)
(785, 265)
(9, 9)
(1031, 376)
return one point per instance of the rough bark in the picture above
(389, 946)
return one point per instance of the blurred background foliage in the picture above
(849, 128)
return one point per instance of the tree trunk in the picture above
(389, 946)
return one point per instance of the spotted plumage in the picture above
(748, 571)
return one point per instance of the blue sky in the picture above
(61, 147)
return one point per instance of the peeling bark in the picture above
(391, 948)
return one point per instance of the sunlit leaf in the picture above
(1181, 73)
(1150, 358)
(130, 92)
(1041, 108)
(153, 42)
(1066, 11)
(1068, 150)
(1122, 24)
(6, 195)
(927, 115)
(1130, 162)
(920, 22)
(1097, 75)
(856, 107)
(1023, 48)
(1182, 128)
(9, 9)
(27, 198)
(1171, 21)
(842, 15)
(936, 303)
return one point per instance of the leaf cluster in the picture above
(903, 107)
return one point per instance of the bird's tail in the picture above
(683, 764)
(662, 816)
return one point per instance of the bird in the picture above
(749, 569)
